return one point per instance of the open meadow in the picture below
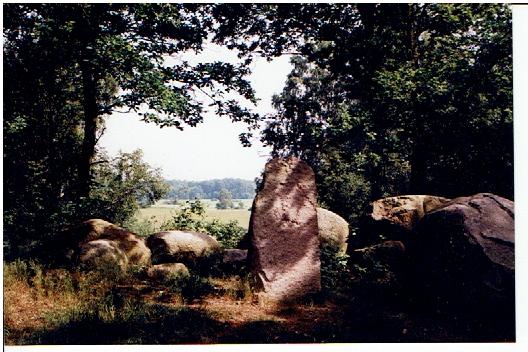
(161, 212)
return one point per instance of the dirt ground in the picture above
(225, 315)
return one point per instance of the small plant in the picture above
(239, 288)
(334, 270)
(191, 217)
(141, 227)
(194, 287)
(188, 286)
(37, 279)
(137, 271)
(227, 234)
(17, 270)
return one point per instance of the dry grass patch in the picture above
(160, 215)
(31, 295)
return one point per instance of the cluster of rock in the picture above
(452, 250)
(455, 251)
(98, 244)
(282, 245)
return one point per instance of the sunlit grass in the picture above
(162, 212)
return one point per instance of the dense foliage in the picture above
(388, 99)
(383, 99)
(123, 184)
(67, 66)
(210, 189)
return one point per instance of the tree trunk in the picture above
(91, 113)
(88, 31)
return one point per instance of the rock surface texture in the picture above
(234, 260)
(284, 245)
(333, 230)
(235, 256)
(405, 211)
(465, 250)
(132, 246)
(182, 246)
(167, 271)
(394, 218)
(102, 255)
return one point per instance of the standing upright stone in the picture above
(284, 245)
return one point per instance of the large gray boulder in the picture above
(405, 211)
(284, 245)
(333, 230)
(167, 272)
(131, 245)
(464, 252)
(103, 255)
(394, 218)
(186, 247)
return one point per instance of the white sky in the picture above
(211, 149)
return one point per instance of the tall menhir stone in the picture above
(284, 246)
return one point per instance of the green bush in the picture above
(188, 287)
(227, 234)
(141, 227)
(191, 217)
(17, 270)
(334, 271)
(194, 287)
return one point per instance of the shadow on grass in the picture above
(162, 324)
(265, 331)
(149, 324)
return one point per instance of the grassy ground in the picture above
(58, 307)
(55, 306)
(161, 212)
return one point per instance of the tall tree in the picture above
(120, 54)
(123, 184)
(67, 66)
(386, 97)
(225, 199)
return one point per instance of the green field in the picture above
(161, 212)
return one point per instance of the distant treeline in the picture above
(240, 189)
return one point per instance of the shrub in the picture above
(17, 270)
(191, 217)
(190, 287)
(239, 287)
(334, 271)
(227, 234)
(141, 227)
